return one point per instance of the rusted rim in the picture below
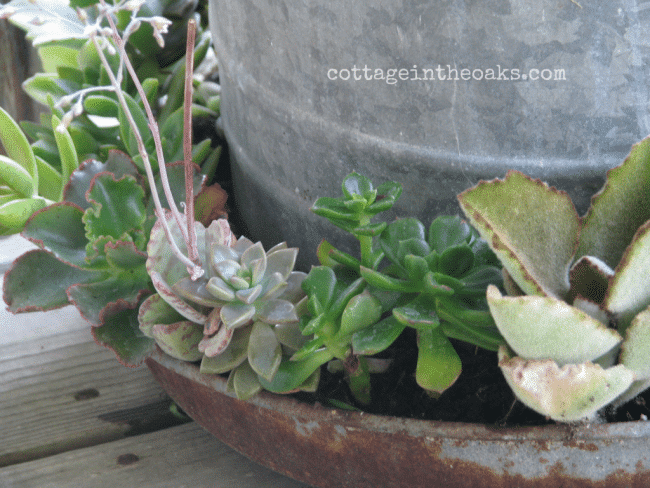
(451, 430)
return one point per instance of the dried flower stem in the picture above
(193, 268)
(187, 142)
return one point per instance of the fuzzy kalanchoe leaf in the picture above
(565, 338)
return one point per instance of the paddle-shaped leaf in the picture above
(532, 228)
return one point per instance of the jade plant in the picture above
(576, 319)
(84, 119)
(431, 281)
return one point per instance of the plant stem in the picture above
(194, 270)
(193, 253)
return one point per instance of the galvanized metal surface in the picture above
(295, 128)
(333, 448)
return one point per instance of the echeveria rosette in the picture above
(244, 304)
(441, 274)
(578, 337)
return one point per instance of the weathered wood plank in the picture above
(182, 456)
(63, 391)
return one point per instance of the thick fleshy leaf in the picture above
(15, 213)
(548, 328)
(59, 229)
(276, 312)
(121, 334)
(447, 231)
(219, 289)
(264, 351)
(48, 20)
(67, 151)
(398, 231)
(319, 285)
(118, 209)
(566, 394)
(532, 228)
(244, 382)
(217, 343)
(635, 351)
(234, 355)
(419, 313)
(180, 340)
(237, 315)
(195, 291)
(438, 366)
(281, 261)
(117, 163)
(628, 292)
(377, 337)
(619, 208)
(123, 288)
(289, 335)
(456, 260)
(361, 311)
(26, 290)
(154, 310)
(16, 145)
(292, 374)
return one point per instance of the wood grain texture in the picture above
(64, 391)
(177, 457)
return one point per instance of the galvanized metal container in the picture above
(556, 89)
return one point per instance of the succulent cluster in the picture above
(240, 316)
(85, 120)
(577, 322)
(431, 281)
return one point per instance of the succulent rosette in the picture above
(240, 316)
(577, 323)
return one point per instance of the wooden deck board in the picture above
(177, 457)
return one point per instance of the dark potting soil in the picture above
(480, 395)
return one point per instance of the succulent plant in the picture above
(405, 277)
(237, 317)
(85, 120)
(577, 323)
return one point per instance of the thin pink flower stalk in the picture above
(193, 265)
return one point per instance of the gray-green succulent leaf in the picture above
(568, 393)
(579, 322)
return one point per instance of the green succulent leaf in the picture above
(356, 185)
(541, 327)
(292, 374)
(635, 350)
(419, 313)
(319, 286)
(121, 334)
(17, 146)
(532, 228)
(15, 213)
(59, 229)
(124, 287)
(26, 291)
(628, 292)
(377, 337)
(154, 310)
(244, 381)
(47, 21)
(361, 311)
(447, 231)
(619, 209)
(438, 365)
(566, 394)
(117, 209)
(234, 355)
(264, 351)
(388, 283)
(180, 340)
